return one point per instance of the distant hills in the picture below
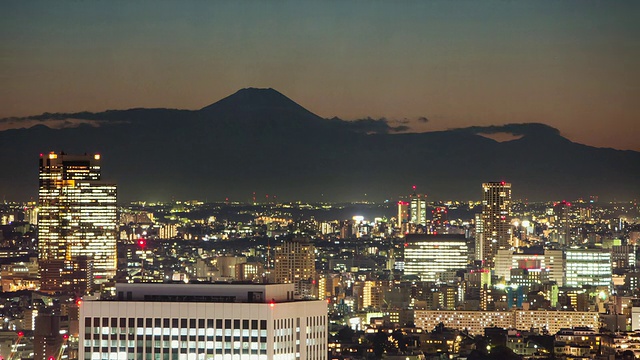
(260, 140)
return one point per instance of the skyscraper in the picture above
(418, 210)
(403, 214)
(562, 221)
(295, 263)
(496, 219)
(77, 223)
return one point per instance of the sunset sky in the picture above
(574, 65)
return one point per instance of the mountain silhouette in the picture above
(258, 140)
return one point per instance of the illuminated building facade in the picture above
(418, 209)
(403, 214)
(249, 271)
(203, 321)
(429, 256)
(372, 295)
(479, 242)
(440, 216)
(588, 267)
(562, 222)
(496, 219)
(550, 261)
(476, 321)
(77, 221)
(295, 262)
(20, 276)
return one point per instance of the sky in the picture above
(573, 65)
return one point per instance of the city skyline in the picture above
(429, 66)
(216, 280)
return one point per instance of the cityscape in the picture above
(305, 180)
(84, 277)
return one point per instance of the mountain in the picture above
(260, 140)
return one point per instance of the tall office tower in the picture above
(203, 321)
(429, 256)
(418, 210)
(295, 262)
(77, 223)
(562, 221)
(403, 214)
(496, 219)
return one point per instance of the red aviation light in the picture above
(20, 333)
(65, 337)
(272, 304)
(142, 243)
(502, 183)
(52, 358)
(79, 302)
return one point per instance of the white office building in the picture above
(551, 261)
(476, 321)
(203, 322)
(588, 267)
(430, 256)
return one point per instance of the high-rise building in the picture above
(562, 221)
(479, 242)
(403, 214)
(429, 256)
(418, 210)
(372, 294)
(496, 219)
(77, 223)
(295, 262)
(203, 321)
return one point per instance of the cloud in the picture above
(514, 129)
(54, 122)
(370, 125)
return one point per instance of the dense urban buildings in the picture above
(77, 223)
(372, 270)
